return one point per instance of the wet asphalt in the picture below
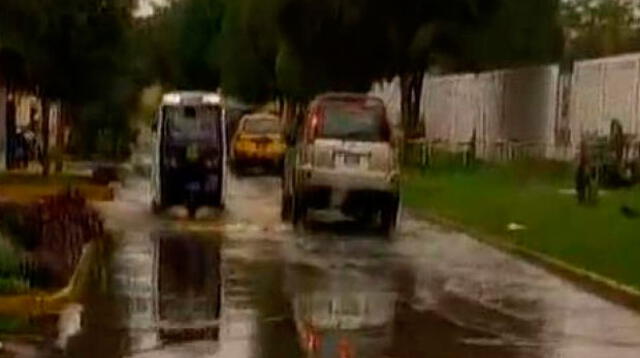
(240, 283)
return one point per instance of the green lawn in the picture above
(597, 238)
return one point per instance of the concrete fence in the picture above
(603, 90)
(536, 111)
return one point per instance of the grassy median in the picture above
(603, 238)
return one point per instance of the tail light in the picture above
(315, 122)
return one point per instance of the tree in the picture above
(181, 44)
(346, 44)
(250, 44)
(296, 49)
(76, 52)
(600, 28)
(19, 24)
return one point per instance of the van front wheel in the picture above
(286, 207)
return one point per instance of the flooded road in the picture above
(241, 284)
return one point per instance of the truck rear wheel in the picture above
(389, 217)
(299, 210)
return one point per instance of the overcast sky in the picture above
(145, 7)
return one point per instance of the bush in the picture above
(11, 278)
(48, 240)
(13, 325)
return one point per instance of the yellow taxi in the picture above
(258, 142)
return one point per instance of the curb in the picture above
(595, 283)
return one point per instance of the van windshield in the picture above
(353, 121)
(193, 123)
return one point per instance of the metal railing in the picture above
(425, 152)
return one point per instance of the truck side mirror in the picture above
(154, 125)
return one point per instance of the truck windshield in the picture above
(261, 126)
(353, 121)
(193, 123)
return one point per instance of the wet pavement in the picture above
(242, 284)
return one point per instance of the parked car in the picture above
(259, 142)
(343, 156)
(234, 111)
(189, 159)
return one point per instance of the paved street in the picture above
(242, 284)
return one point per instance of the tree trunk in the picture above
(62, 122)
(4, 136)
(411, 96)
(281, 106)
(292, 110)
(46, 106)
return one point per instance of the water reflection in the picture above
(154, 291)
(344, 324)
(345, 309)
(189, 287)
(257, 316)
(318, 296)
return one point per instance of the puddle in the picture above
(149, 294)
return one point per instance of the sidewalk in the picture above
(27, 186)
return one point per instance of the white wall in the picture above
(390, 94)
(602, 90)
(501, 106)
(536, 105)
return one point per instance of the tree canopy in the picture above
(77, 52)
(600, 27)
(180, 45)
(303, 47)
(67, 50)
(94, 56)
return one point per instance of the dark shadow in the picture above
(342, 229)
